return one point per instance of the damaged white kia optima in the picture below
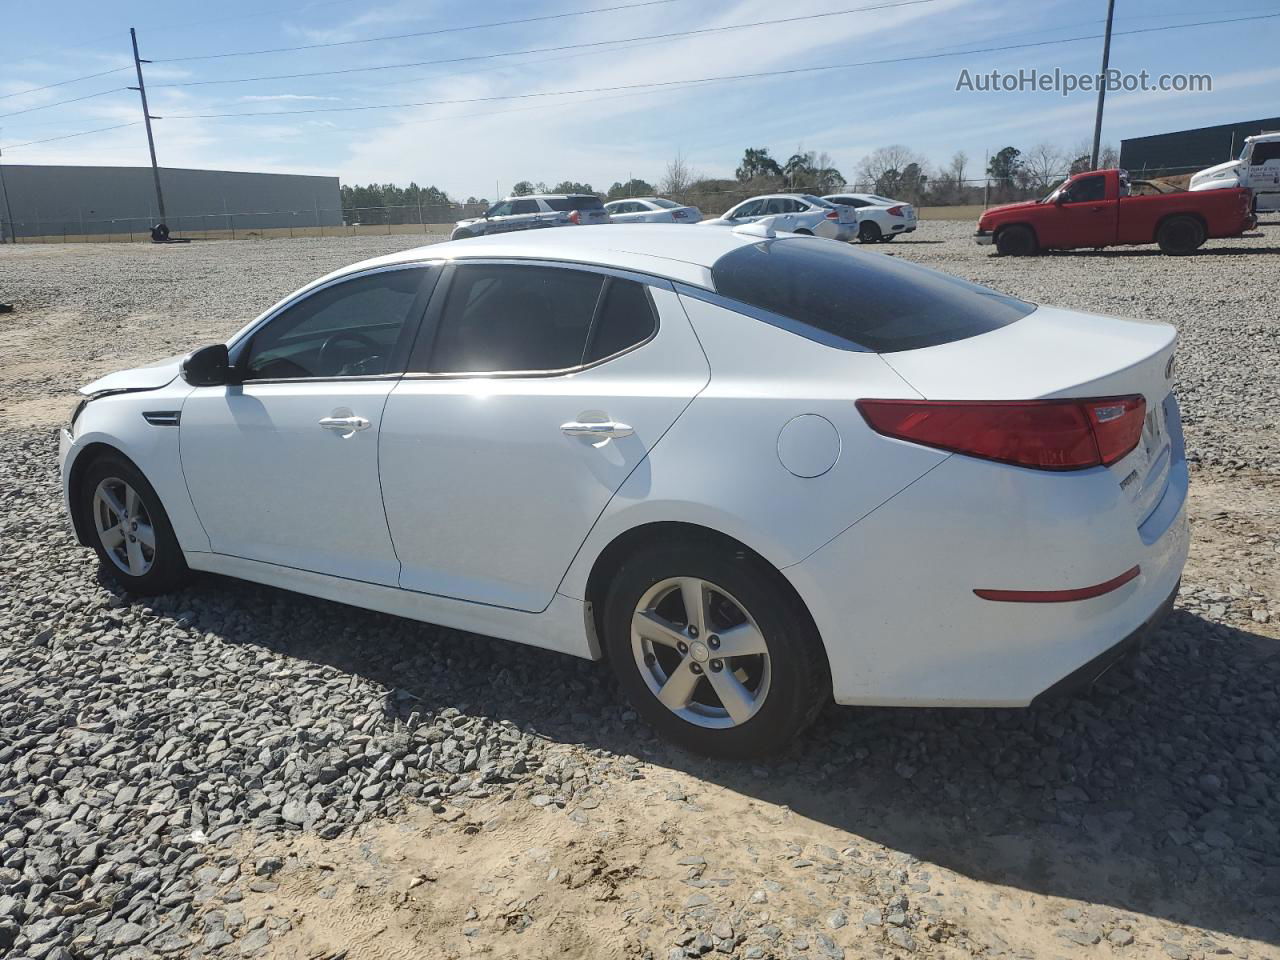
(754, 472)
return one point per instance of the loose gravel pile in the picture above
(141, 740)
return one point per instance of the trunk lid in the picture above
(1053, 353)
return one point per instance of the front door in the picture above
(544, 390)
(1084, 218)
(1264, 173)
(283, 467)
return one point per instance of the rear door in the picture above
(533, 393)
(1086, 216)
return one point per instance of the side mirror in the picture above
(1060, 199)
(207, 367)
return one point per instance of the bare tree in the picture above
(959, 160)
(679, 176)
(1045, 165)
(886, 165)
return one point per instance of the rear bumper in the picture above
(983, 237)
(893, 596)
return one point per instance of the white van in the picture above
(1258, 169)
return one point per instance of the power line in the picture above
(422, 33)
(58, 103)
(68, 136)
(63, 83)
(700, 80)
(568, 46)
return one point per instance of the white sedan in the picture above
(793, 212)
(752, 470)
(879, 218)
(651, 210)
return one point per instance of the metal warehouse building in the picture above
(48, 201)
(1187, 151)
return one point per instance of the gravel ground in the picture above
(159, 760)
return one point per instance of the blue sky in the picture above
(600, 137)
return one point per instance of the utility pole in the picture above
(147, 118)
(1102, 86)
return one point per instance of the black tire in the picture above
(869, 232)
(160, 233)
(804, 233)
(887, 237)
(1180, 235)
(1016, 241)
(799, 680)
(167, 569)
(462, 235)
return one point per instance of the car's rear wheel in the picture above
(1016, 241)
(713, 650)
(804, 232)
(129, 528)
(1180, 235)
(887, 237)
(869, 232)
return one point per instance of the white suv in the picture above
(795, 213)
(535, 212)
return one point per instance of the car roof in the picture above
(674, 251)
(548, 196)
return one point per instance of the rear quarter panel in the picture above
(1224, 213)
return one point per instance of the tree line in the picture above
(893, 171)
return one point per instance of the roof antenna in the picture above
(758, 228)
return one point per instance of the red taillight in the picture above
(1060, 596)
(833, 214)
(895, 211)
(1044, 434)
(575, 217)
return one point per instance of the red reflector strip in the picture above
(1060, 596)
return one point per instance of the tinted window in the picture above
(1264, 152)
(1086, 190)
(751, 208)
(867, 299)
(575, 203)
(504, 318)
(664, 203)
(347, 330)
(626, 318)
(524, 206)
(851, 202)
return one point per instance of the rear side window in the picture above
(564, 204)
(866, 299)
(524, 206)
(626, 318)
(507, 318)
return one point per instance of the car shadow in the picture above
(1156, 792)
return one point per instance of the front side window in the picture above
(866, 300)
(502, 209)
(1265, 152)
(1086, 190)
(349, 329)
(508, 318)
(751, 208)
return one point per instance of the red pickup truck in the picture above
(1099, 209)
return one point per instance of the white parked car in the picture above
(793, 212)
(651, 210)
(532, 213)
(879, 218)
(1258, 168)
(754, 471)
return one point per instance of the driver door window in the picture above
(751, 208)
(1086, 190)
(355, 328)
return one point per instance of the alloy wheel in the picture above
(700, 652)
(124, 526)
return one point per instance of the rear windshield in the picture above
(663, 202)
(867, 299)
(575, 203)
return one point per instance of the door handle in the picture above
(344, 425)
(600, 431)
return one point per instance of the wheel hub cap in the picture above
(717, 683)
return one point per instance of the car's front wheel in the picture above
(714, 650)
(129, 528)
